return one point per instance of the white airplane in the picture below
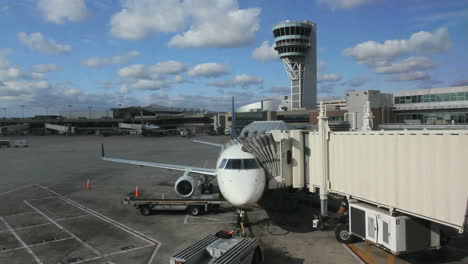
(240, 178)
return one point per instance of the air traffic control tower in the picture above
(296, 45)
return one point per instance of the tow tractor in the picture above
(197, 206)
(224, 247)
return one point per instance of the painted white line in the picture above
(213, 219)
(211, 223)
(32, 212)
(43, 198)
(51, 185)
(127, 229)
(52, 241)
(12, 249)
(358, 259)
(27, 227)
(66, 231)
(17, 189)
(71, 217)
(21, 241)
(186, 219)
(111, 254)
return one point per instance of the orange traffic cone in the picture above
(88, 184)
(137, 193)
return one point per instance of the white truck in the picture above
(221, 248)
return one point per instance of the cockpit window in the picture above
(234, 164)
(222, 164)
(248, 164)
(241, 164)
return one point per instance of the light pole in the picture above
(47, 110)
(22, 110)
(69, 111)
(4, 112)
(89, 111)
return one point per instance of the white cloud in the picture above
(178, 79)
(140, 18)
(44, 68)
(459, 83)
(38, 42)
(279, 89)
(379, 54)
(242, 80)
(209, 69)
(168, 67)
(327, 89)
(332, 77)
(218, 24)
(406, 65)
(155, 71)
(4, 58)
(148, 85)
(58, 11)
(18, 88)
(121, 58)
(265, 52)
(411, 76)
(105, 84)
(133, 71)
(10, 73)
(345, 4)
(356, 81)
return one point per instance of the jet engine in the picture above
(185, 186)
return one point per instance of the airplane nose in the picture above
(245, 190)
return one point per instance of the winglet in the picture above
(102, 151)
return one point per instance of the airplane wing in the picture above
(209, 143)
(208, 172)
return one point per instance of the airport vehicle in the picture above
(193, 206)
(240, 177)
(14, 143)
(5, 143)
(153, 130)
(221, 248)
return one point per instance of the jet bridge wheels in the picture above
(343, 236)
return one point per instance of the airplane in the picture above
(153, 130)
(240, 177)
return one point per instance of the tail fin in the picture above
(233, 125)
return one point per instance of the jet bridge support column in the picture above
(324, 137)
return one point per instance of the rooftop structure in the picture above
(296, 45)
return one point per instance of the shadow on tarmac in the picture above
(293, 211)
(275, 256)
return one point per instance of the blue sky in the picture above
(198, 53)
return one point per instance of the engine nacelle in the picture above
(185, 186)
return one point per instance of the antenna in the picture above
(233, 125)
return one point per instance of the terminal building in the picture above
(432, 106)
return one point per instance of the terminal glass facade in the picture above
(432, 117)
(431, 98)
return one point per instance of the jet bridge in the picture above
(417, 173)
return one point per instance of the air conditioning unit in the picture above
(396, 233)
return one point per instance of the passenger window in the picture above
(234, 164)
(223, 162)
(249, 164)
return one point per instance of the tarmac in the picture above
(47, 215)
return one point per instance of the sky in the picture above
(98, 54)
